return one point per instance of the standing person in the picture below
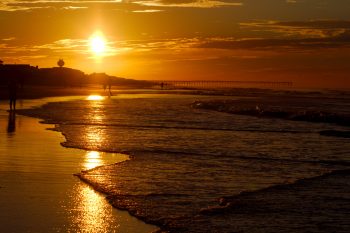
(12, 88)
(110, 86)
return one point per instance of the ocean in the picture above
(212, 169)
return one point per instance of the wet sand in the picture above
(38, 192)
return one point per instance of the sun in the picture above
(97, 44)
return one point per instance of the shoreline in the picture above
(37, 92)
(51, 191)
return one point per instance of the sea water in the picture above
(198, 170)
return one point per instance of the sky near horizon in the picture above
(305, 41)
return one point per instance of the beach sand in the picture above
(38, 192)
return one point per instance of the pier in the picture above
(219, 84)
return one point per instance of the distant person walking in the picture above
(12, 89)
(109, 87)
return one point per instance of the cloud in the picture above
(8, 39)
(197, 45)
(12, 5)
(185, 48)
(74, 7)
(294, 35)
(181, 48)
(301, 29)
(147, 11)
(281, 37)
(78, 47)
(279, 44)
(23, 5)
(189, 3)
(20, 5)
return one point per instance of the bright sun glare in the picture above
(95, 97)
(97, 44)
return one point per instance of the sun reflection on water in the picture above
(94, 213)
(92, 160)
(95, 97)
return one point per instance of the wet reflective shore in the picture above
(38, 192)
(186, 160)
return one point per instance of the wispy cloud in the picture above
(189, 3)
(299, 37)
(16, 5)
(22, 5)
(301, 29)
(8, 39)
(297, 45)
(185, 48)
(74, 7)
(199, 48)
(13, 5)
(147, 11)
(79, 47)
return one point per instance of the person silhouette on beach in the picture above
(12, 89)
(109, 87)
(11, 126)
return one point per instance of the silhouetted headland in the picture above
(31, 79)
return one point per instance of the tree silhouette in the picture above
(1, 62)
(60, 63)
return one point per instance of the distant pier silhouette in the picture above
(220, 84)
(68, 77)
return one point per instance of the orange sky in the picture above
(305, 41)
